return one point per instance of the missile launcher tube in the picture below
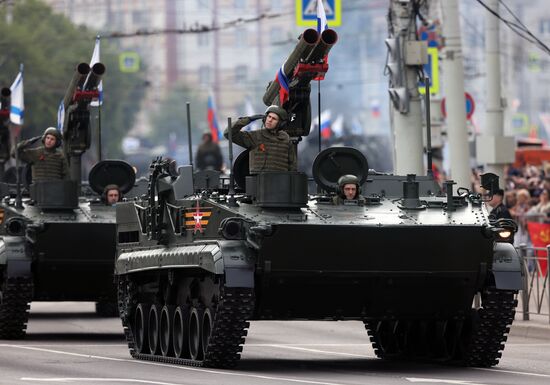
(329, 37)
(308, 40)
(79, 77)
(98, 69)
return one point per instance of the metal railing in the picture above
(536, 286)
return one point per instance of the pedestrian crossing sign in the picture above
(432, 71)
(306, 12)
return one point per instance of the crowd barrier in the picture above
(535, 298)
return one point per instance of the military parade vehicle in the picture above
(199, 256)
(56, 242)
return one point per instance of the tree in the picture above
(50, 47)
(171, 117)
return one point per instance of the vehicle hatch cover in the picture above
(241, 168)
(331, 163)
(112, 172)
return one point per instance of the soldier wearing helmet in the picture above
(349, 190)
(47, 161)
(270, 147)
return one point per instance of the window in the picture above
(544, 26)
(203, 39)
(544, 105)
(240, 37)
(240, 74)
(139, 18)
(203, 4)
(276, 5)
(240, 4)
(204, 75)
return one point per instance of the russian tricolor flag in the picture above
(326, 130)
(284, 90)
(95, 59)
(213, 120)
(321, 17)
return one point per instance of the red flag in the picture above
(540, 236)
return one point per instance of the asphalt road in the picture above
(67, 343)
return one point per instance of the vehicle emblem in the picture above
(196, 218)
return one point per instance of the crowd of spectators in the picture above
(527, 197)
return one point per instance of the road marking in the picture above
(247, 344)
(78, 345)
(442, 381)
(95, 379)
(187, 368)
(319, 351)
(514, 372)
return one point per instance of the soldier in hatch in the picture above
(348, 190)
(270, 147)
(47, 161)
(111, 194)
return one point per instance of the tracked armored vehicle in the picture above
(58, 237)
(198, 258)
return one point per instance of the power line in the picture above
(518, 28)
(197, 28)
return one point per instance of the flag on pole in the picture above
(95, 59)
(17, 103)
(213, 120)
(60, 116)
(337, 126)
(356, 127)
(321, 26)
(326, 130)
(321, 17)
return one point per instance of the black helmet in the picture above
(348, 179)
(52, 131)
(280, 112)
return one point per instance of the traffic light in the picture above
(394, 69)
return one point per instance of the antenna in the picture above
(429, 171)
(231, 201)
(188, 108)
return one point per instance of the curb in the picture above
(530, 329)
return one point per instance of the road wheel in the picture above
(153, 330)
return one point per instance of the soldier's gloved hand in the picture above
(255, 117)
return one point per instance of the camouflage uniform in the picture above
(47, 164)
(270, 150)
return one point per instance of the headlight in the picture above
(504, 234)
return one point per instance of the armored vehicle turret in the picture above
(57, 236)
(199, 257)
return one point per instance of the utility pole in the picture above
(453, 77)
(9, 12)
(405, 55)
(217, 85)
(494, 149)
